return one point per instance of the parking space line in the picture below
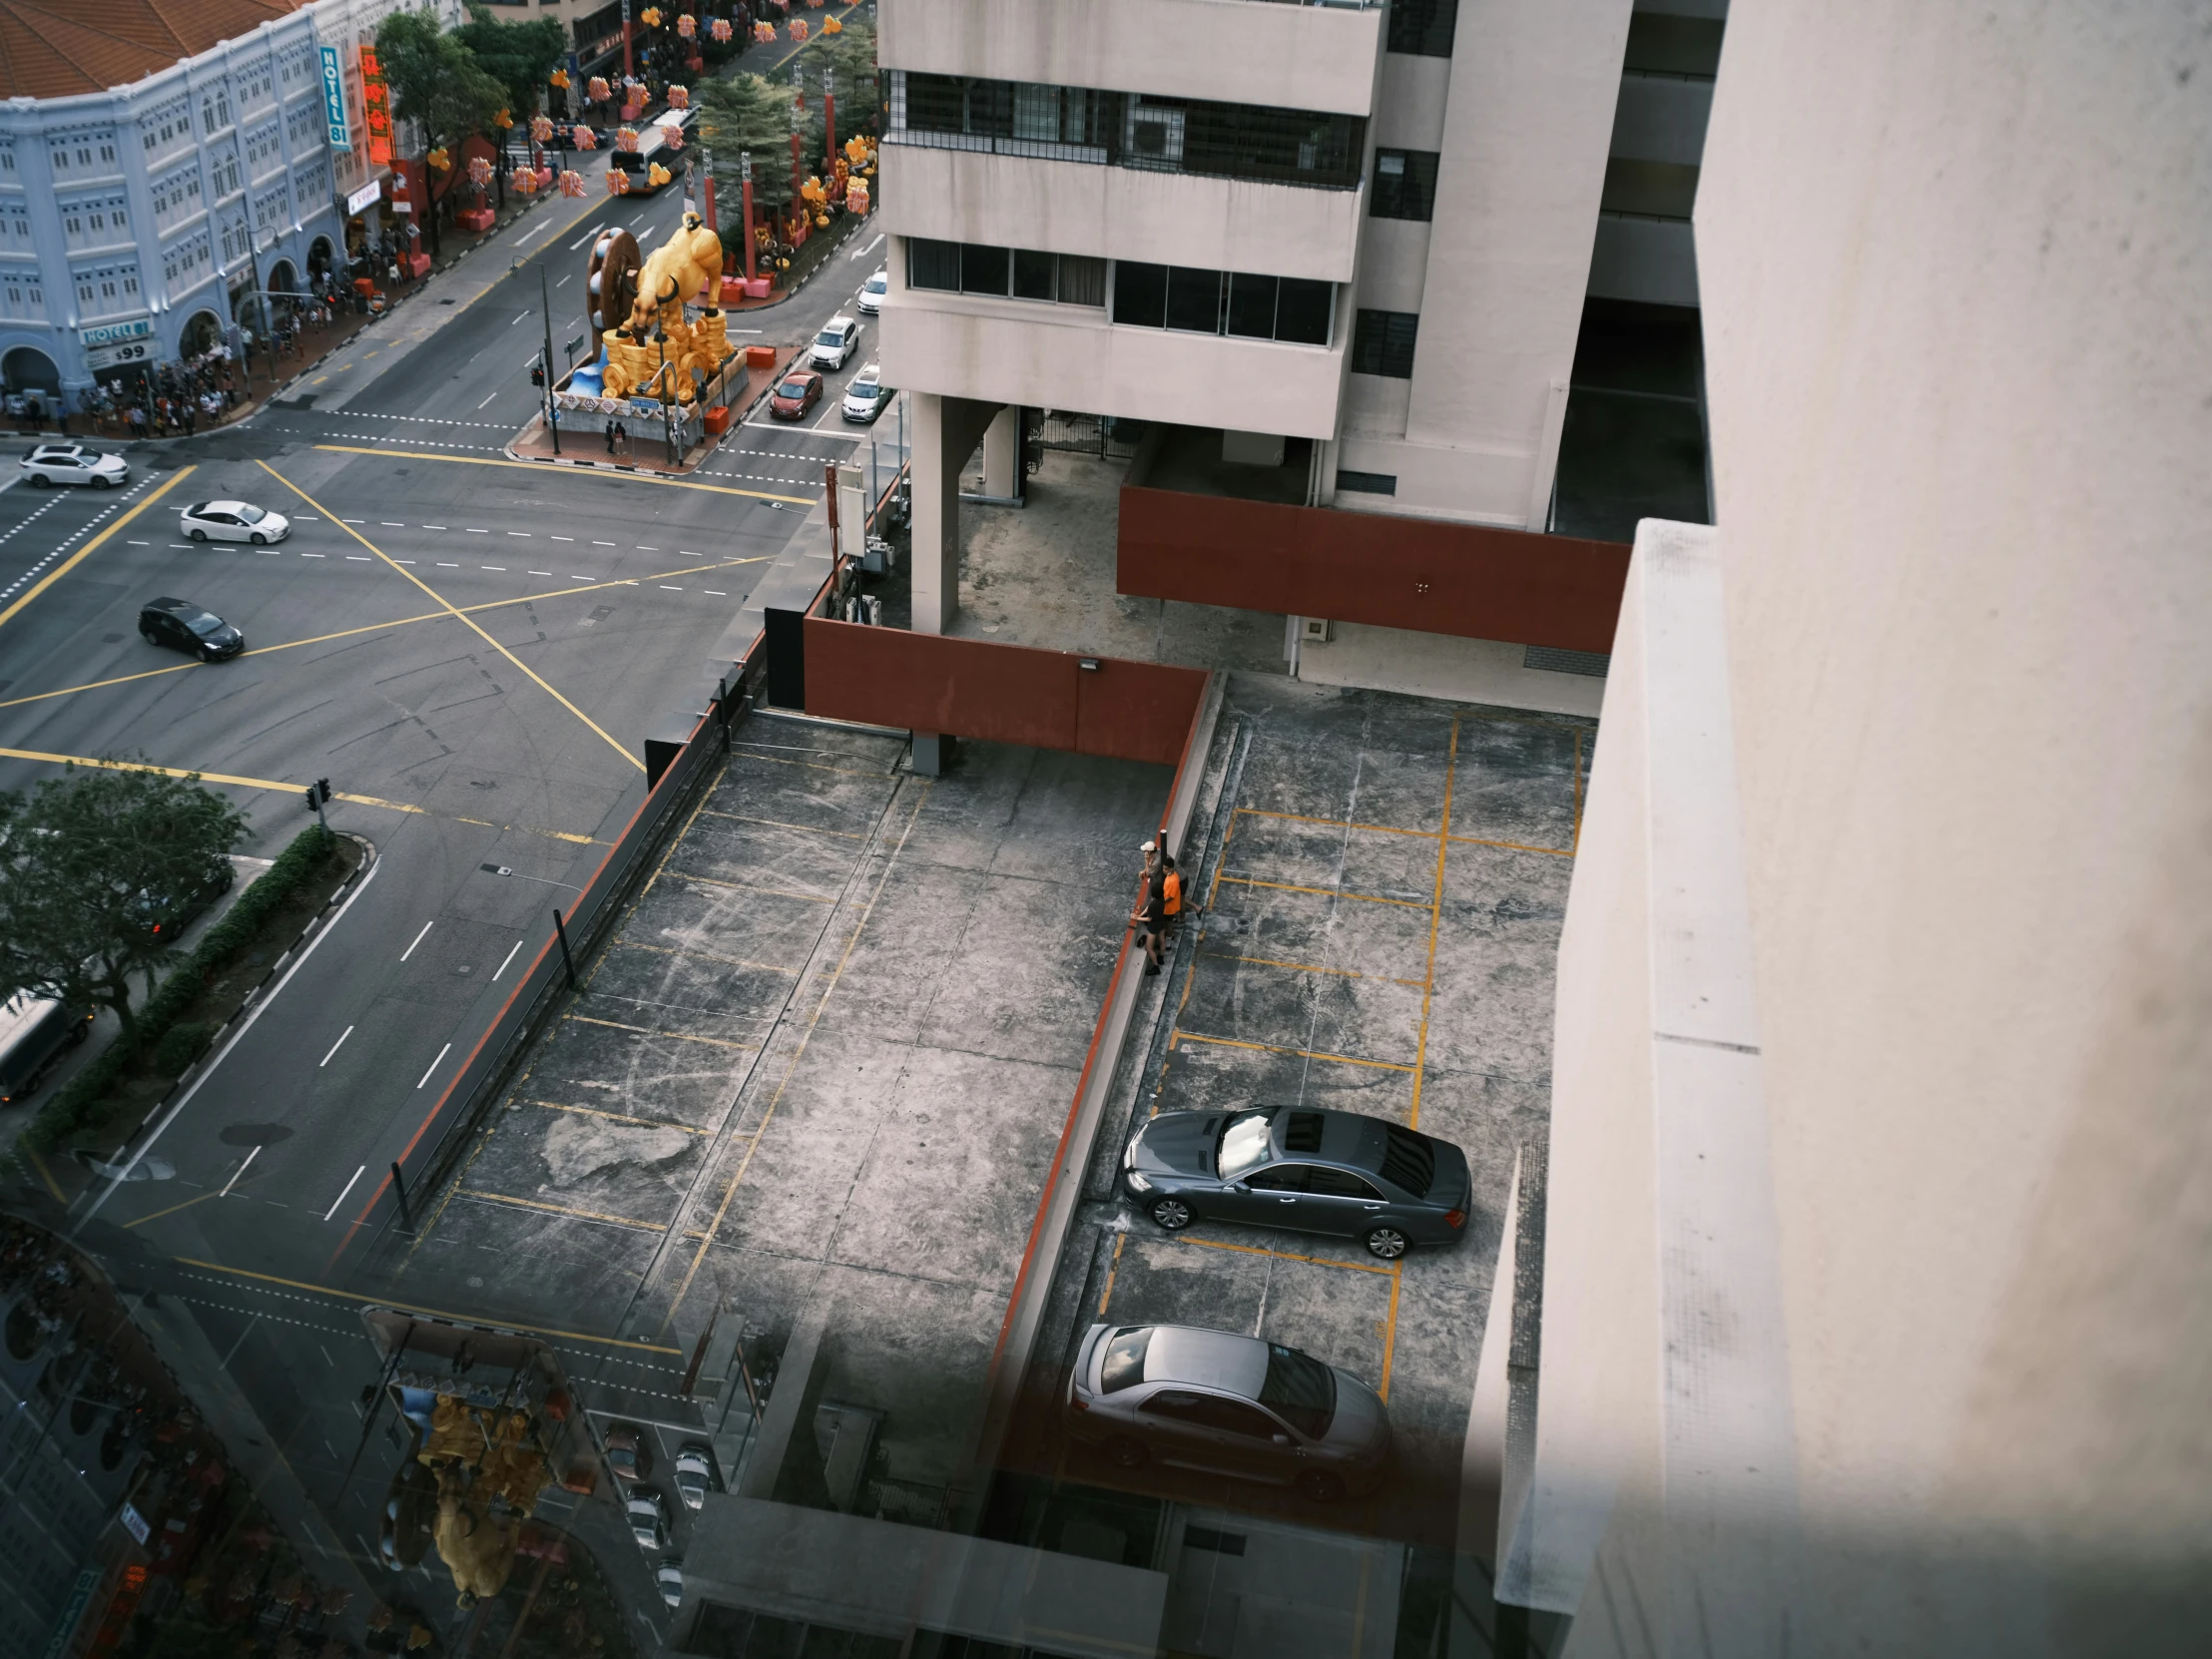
(649, 1032)
(1181, 1036)
(1390, 1336)
(618, 1117)
(1112, 1268)
(1325, 892)
(1513, 847)
(779, 823)
(1280, 1255)
(1577, 841)
(745, 886)
(1333, 822)
(706, 957)
(1436, 920)
(1296, 968)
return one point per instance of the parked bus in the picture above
(33, 1032)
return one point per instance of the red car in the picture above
(799, 391)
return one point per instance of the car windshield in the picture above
(251, 515)
(1243, 1144)
(878, 282)
(831, 336)
(202, 623)
(1125, 1358)
(792, 388)
(864, 389)
(1299, 1389)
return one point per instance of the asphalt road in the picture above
(471, 650)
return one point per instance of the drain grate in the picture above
(1552, 660)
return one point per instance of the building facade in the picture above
(140, 221)
(1330, 256)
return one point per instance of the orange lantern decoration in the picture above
(687, 25)
(672, 136)
(656, 175)
(572, 182)
(437, 161)
(830, 26)
(525, 181)
(855, 196)
(764, 32)
(651, 17)
(558, 80)
(798, 28)
(541, 129)
(479, 170)
(679, 98)
(585, 139)
(720, 30)
(597, 90)
(626, 141)
(618, 182)
(503, 120)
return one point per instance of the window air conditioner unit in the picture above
(1155, 136)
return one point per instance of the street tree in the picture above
(747, 113)
(851, 56)
(519, 56)
(437, 84)
(86, 863)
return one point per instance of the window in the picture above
(1292, 310)
(1125, 1352)
(1301, 1390)
(933, 265)
(1301, 1132)
(1283, 1178)
(1341, 1183)
(1405, 185)
(1383, 343)
(1245, 1144)
(1409, 1157)
(1068, 278)
(983, 269)
(1366, 484)
(1424, 28)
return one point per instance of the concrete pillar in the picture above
(943, 437)
(1002, 455)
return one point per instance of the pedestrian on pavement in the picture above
(1172, 904)
(1149, 917)
(610, 436)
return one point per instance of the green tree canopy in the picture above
(87, 862)
(435, 80)
(851, 55)
(747, 113)
(519, 56)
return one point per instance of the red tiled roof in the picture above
(51, 51)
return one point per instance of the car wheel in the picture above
(1386, 1242)
(78, 1032)
(98, 482)
(258, 539)
(147, 633)
(41, 481)
(1128, 1454)
(1321, 1487)
(206, 654)
(197, 533)
(1170, 1214)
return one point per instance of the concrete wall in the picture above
(1068, 356)
(1231, 51)
(1953, 269)
(1120, 213)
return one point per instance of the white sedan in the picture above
(234, 521)
(873, 292)
(73, 463)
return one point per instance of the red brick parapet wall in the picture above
(1470, 580)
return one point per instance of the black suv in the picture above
(184, 626)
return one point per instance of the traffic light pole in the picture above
(318, 792)
(545, 298)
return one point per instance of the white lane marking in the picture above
(334, 1047)
(391, 524)
(642, 548)
(512, 321)
(645, 236)
(398, 561)
(361, 559)
(487, 401)
(539, 573)
(563, 282)
(472, 530)
(502, 969)
(305, 518)
(863, 253)
(269, 552)
(340, 1199)
(236, 1037)
(433, 526)
(686, 553)
(564, 538)
(442, 565)
(665, 588)
(502, 568)
(410, 950)
(715, 593)
(314, 555)
(352, 521)
(235, 1174)
(141, 544)
(586, 237)
(523, 533)
(435, 1065)
(602, 544)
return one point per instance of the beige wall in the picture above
(1232, 51)
(1122, 212)
(1956, 268)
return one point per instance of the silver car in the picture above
(647, 1512)
(695, 1472)
(1233, 1404)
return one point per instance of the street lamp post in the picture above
(667, 396)
(745, 180)
(552, 416)
(830, 124)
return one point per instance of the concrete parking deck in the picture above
(823, 1062)
(1383, 902)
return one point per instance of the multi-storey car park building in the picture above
(157, 169)
(1336, 259)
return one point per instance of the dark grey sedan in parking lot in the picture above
(1299, 1167)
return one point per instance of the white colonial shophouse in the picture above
(158, 169)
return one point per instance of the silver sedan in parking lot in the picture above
(1232, 1405)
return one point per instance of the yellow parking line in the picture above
(442, 600)
(560, 1210)
(1390, 1336)
(649, 1032)
(77, 558)
(1288, 1256)
(539, 466)
(1107, 1294)
(426, 1313)
(706, 957)
(779, 823)
(618, 1117)
(1336, 823)
(745, 886)
(172, 1210)
(1325, 892)
(1276, 1048)
(1296, 968)
(1513, 847)
(44, 1174)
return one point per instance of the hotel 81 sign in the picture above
(334, 100)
